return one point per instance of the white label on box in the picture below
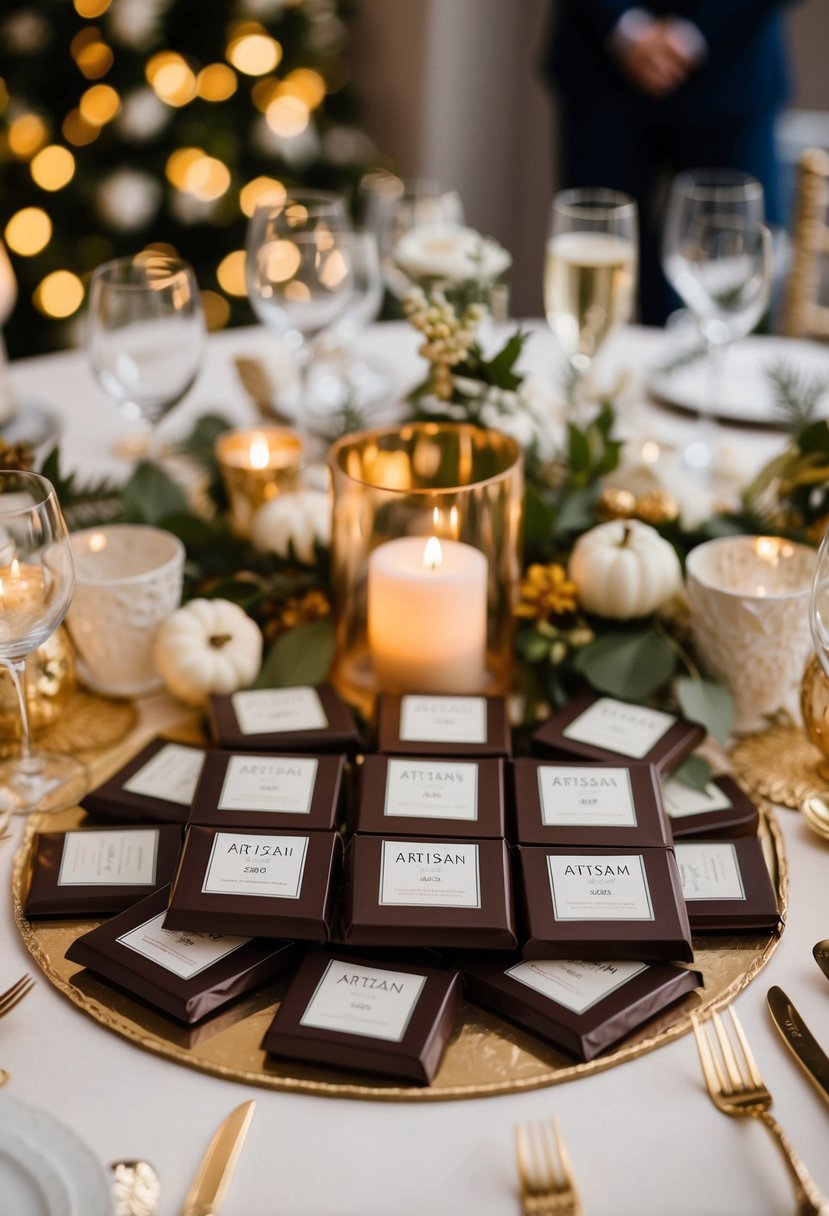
(269, 711)
(709, 871)
(426, 789)
(269, 866)
(443, 719)
(681, 799)
(576, 985)
(181, 951)
(370, 1001)
(630, 730)
(172, 775)
(586, 797)
(414, 874)
(278, 784)
(611, 887)
(109, 859)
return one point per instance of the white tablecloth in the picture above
(644, 1137)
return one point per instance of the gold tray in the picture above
(485, 1055)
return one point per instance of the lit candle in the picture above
(22, 600)
(427, 615)
(256, 465)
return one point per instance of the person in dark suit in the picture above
(647, 92)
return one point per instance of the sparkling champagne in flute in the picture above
(589, 270)
(37, 579)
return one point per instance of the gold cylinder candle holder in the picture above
(256, 465)
(425, 560)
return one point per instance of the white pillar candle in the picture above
(427, 610)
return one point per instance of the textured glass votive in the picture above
(256, 465)
(749, 598)
(425, 560)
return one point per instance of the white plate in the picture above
(746, 394)
(45, 1170)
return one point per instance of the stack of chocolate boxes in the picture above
(443, 823)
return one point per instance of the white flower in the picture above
(128, 199)
(450, 252)
(293, 522)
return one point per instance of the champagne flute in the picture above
(146, 334)
(300, 283)
(589, 272)
(37, 578)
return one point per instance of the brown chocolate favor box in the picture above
(414, 795)
(440, 725)
(251, 790)
(303, 718)
(157, 784)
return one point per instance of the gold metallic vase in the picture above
(451, 481)
(814, 706)
(50, 682)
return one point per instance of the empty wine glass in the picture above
(37, 578)
(717, 255)
(589, 271)
(146, 334)
(300, 284)
(391, 206)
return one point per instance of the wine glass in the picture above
(37, 578)
(300, 284)
(717, 255)
(391, 206)
(589, 272)
(145, 334)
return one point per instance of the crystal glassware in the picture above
(145, 334)
(36, 583)
(717, 255)
(589, 271)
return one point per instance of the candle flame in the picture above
(432, 555)
(15, 568)
(259, 453)
(771, 548)
(97, 542)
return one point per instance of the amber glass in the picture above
(449, 480)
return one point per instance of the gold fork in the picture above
(544, 1171)
(736, 1088)
(12, 996)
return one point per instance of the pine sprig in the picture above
(797, 394)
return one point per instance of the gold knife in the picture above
(799, 1040)
(208, 1188)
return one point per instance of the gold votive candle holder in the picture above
(256, 465)
(425, 560)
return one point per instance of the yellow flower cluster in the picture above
(546, 592)
(449, 335)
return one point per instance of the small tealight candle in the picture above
(427, 615)
(256, 465)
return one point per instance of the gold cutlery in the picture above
(737, 1089)
(800, 1041)
(135, 1188)
(208, 1188)
(545, 1175)
(821, 953)
(14, 995)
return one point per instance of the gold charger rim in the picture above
(776, 857)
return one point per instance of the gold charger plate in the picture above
(485, 1055)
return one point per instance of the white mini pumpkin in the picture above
(207, 646)
(296, 521)
(624, 569)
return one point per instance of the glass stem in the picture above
(17, 675)
(153, 449)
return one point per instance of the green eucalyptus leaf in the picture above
(303, 655)
(630, 665)
(694, 772)
(709, 704)
(150, 495)
(577, 510)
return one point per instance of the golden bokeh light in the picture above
(95, 60)
(280, 260)
(4, 95)
(77, 131)
(99, 105)
(264, 92)
(288, 116)
(253, 51)
(261, 189)
(216, 310)
(172, 78)
(91, 8)
(231, 273)
(59, 294)
(216, 82)
(179, 164)
(306, 84)
(207, 178)
(299, 292)
(27, 134)
(53, 167)
(28, 231)
(334, 270)
(163, 247)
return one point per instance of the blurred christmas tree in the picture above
(133, 122)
